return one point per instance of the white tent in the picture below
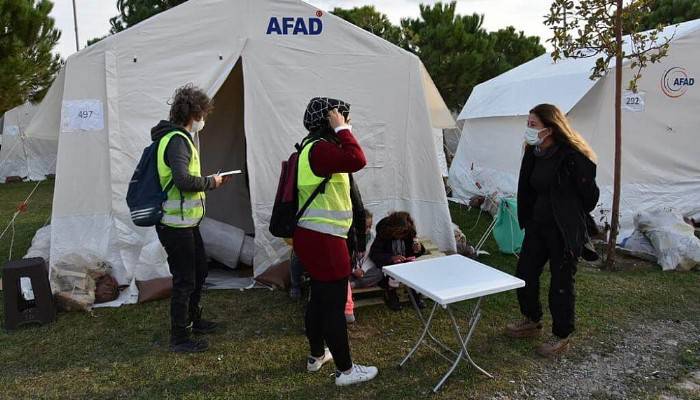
(23, 155)
(261, 61)
(660, 167)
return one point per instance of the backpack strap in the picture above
(169, 186)
(319, 189)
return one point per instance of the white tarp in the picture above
(243, 52)
(674, 241)
(660, 168)
(21, 154)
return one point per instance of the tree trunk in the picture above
(615, 223)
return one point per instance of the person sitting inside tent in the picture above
(396, 243)
(365, 273)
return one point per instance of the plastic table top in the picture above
(452, 279)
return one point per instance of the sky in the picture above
(525, 15)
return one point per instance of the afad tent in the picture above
(261, 61)
(22, 155)
(660, 168)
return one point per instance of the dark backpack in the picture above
(145, 197)
(286, 211)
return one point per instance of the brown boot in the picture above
(554, 346)
(524, 328)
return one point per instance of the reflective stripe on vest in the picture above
(180, 209)
(331, 211)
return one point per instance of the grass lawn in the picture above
(122, 353)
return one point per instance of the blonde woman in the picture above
(556, 191)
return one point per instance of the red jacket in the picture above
(326, 257)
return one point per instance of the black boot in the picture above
(199, 325)
(180, 342)
(392, 299)
(419, 299)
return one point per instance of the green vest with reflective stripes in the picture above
(180, 209)
(331, 211)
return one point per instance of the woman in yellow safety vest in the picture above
(330, 150)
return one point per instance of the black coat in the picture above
(382, 249)
(574, 194)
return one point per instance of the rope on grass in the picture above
(22, 207)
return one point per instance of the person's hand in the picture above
(335, 119)
(220, 180)
(358, 273)
(398, 259)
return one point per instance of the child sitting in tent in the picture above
(395, 243)
(365, 273)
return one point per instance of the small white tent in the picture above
(660, 167)
(23, 155)
(261, 60)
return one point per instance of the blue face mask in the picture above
(370, 236)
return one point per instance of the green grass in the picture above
(122, 353)
(26, 223)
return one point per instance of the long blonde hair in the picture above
(553, 118)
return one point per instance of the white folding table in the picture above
(449, 280)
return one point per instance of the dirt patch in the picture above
(642, 362)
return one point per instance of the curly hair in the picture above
(398, 225)
(189, 103)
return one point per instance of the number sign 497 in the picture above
(85, 114)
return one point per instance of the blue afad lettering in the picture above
(295, 26)
(684, 82)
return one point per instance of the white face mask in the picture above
(198, 125)
(532, 136)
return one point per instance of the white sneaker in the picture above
(358, 374)
(314, 364)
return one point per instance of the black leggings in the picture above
(544, 243)
(325, 321)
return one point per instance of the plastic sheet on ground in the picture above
(639, 246)
(221, 279)
(673, 239)
(41, 244)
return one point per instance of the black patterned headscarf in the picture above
(316, 115)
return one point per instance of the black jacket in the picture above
(357, 237)
(177, 157)
(574, 194)
(382, 249)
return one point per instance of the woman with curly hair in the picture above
(180, 176)
(395, 243)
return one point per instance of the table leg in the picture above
(425, 331)
(422, 320)
(476, 316)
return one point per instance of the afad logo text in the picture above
(675, 82)
(296, 25)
